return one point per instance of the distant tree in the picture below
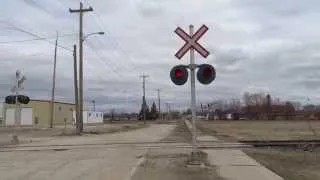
(234, 105)
(297, 105)
(289, 110)
(255, 104)
(309, 108)
(144, 107)
(154, 113)
(188, 111)
(267, 107)
(175, 114)
(219, 113)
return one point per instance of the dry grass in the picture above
(28, 134)
(107, 128)
(289, 164)
(260, 130)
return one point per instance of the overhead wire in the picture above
(100, 56)
(104, 59)
(35, 39)
(114, 43)
(37, 36)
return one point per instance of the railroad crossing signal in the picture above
(206, 73)
(13, 99)
(21, 99)
(192, 42)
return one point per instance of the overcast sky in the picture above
(255, 45)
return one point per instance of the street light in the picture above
(82, 39)
(86, 36)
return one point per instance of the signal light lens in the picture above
(179, 74)
(21, 99)
(206, 74)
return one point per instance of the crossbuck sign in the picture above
(192, 42)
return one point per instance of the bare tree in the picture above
(234, 104)
(254, 104)
(297, 105)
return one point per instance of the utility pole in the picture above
(144, 103)
(193, 95)
(80, 11)
(159, 102)
(53, 82)
(76, 95)
(15, 139)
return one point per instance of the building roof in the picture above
(40, 100)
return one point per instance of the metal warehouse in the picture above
(37, 113)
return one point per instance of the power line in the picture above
(105, 60)
(34, 39)
(113, 41)
(35, 35)
(102, 52)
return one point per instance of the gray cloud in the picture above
(255, 46)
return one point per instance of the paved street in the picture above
(116, 156)
(94, 164)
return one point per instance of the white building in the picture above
(90, 117)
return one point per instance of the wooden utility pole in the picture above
(159, 103)
(76, 95)
(81, 39)
(144, 103)
(53, 83)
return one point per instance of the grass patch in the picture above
(260, 130)
(289, 164)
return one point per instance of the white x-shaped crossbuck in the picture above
(192, 42)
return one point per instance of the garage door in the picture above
(9, 116)
(26, 116)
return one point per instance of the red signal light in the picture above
(206, 73)
(179, 73)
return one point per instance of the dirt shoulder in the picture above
(28, 135)
(289, 164)
(261, 130)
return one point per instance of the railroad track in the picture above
(299, 144)
(282, 143)
(136, 145)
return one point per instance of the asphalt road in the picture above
(81, 163)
